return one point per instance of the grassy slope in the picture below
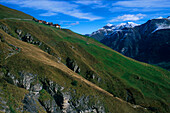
(117, 72)
(46, 67)
(6, 12)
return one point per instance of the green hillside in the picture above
(48, 56)
(6, 12)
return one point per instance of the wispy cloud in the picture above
(76, 23)
(140, 5)
(94, 3)
(128, 17)
(70, 23)
(143, 3)
(87, 2)
(55, 7)
(48, 14)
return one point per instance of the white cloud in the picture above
(128, 17)
(94, 3)
(76, 23)
(70, 23)
(48, 14)
(87, 2)
(55, 7)
(140, 6)
(143, 3)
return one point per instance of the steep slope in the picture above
(6, 12)
(33, 58)
(49, 70)
(148, 42)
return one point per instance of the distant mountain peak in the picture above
(121, 25)
(109, 24)
(129, 24)
(160, 17)
(111, 28)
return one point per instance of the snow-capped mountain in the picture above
(149, 42)
(110, 28)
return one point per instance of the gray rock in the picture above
(99, 79)
(28, 38)
(4, 28)
(75, 67)
(26, 79)
(13, 79)
(72, 65)
(2, 38)
(78, 70)
(31, 104)
(19, 32)
(66, 105)
(50, 106)
(3, 104)
(36, 88)
(93, 76)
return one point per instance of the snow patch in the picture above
(101, 28)
(161, 26)
(160, 17)
(168, 17)
(110, 28)
(109, 25)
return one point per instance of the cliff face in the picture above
(47, 96)
(155, 42)
(124, 41)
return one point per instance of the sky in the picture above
(86, 16)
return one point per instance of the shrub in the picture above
(74, 83)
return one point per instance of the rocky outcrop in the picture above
(26, 79)
(28, 38)
(2, 38)
(5, 28)
(19, 32)
(72, 65)
(46, 95)
(90, 75)
(82, 105)
(4, 108)
(129, 97)
(14, 50)
(31, 104)
(51, 106)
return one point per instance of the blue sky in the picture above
(86, 16)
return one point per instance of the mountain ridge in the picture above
(133, 42)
